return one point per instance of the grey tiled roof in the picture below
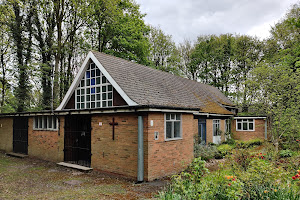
(147, 86)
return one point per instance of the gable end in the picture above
(80, 75)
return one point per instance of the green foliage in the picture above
(50, 38)
(200, 185)
(117, 27)
(206, 152)
(224, 149)
(285, 153)
(184, 185)
(246, 174)
(274, 84)
(163, 52)
(250, 143)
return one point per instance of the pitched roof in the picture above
(147, 86)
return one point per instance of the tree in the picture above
(163, 52)
(117, 27)
(21, 23)
(201, 59)
(275, 83)
(5, 51)
(185, 51)
(44, 29)
(247, 55)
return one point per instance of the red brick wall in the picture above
(6, 134)
(46, 145)
(249, 135)
(169, 157)
(120, 155)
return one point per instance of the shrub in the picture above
(206, 152)
(224, 149)
(285, 153)
(229, 141)
(254, 142)
(196, 186)
(240, 159)
(250, 176)
(185, 185)
(248, 144)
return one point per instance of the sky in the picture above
(188, 19)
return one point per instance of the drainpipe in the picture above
(266, 129)
(140, 175)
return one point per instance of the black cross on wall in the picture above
(113, 124)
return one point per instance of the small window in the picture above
(173, 126)
(245, 124)
(45, 123)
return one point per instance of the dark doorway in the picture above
(20, 135)
(202, 131)
(78, 140)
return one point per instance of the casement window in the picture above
(173, 126)
(216, 127)
(245, 124)
(45, 123)
(94, 90)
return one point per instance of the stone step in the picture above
(73, 166)
(18, 155)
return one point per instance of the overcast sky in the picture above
(191, 18)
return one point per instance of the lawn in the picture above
(35, 179)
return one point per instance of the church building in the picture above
(123, 118)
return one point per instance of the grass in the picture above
(35, 179)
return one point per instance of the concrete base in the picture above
(73, 166)
(18, 155)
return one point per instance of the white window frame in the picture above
(217, 122)
(45, 128)
(242, 121)
(172, 120)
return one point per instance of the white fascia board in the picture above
(80, 74)
(75, 82)
(250, 117)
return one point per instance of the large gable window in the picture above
(172, 126)
(245, 124)
(94, 90)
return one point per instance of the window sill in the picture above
(172, 139)
(246, 130)
(45, 129)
